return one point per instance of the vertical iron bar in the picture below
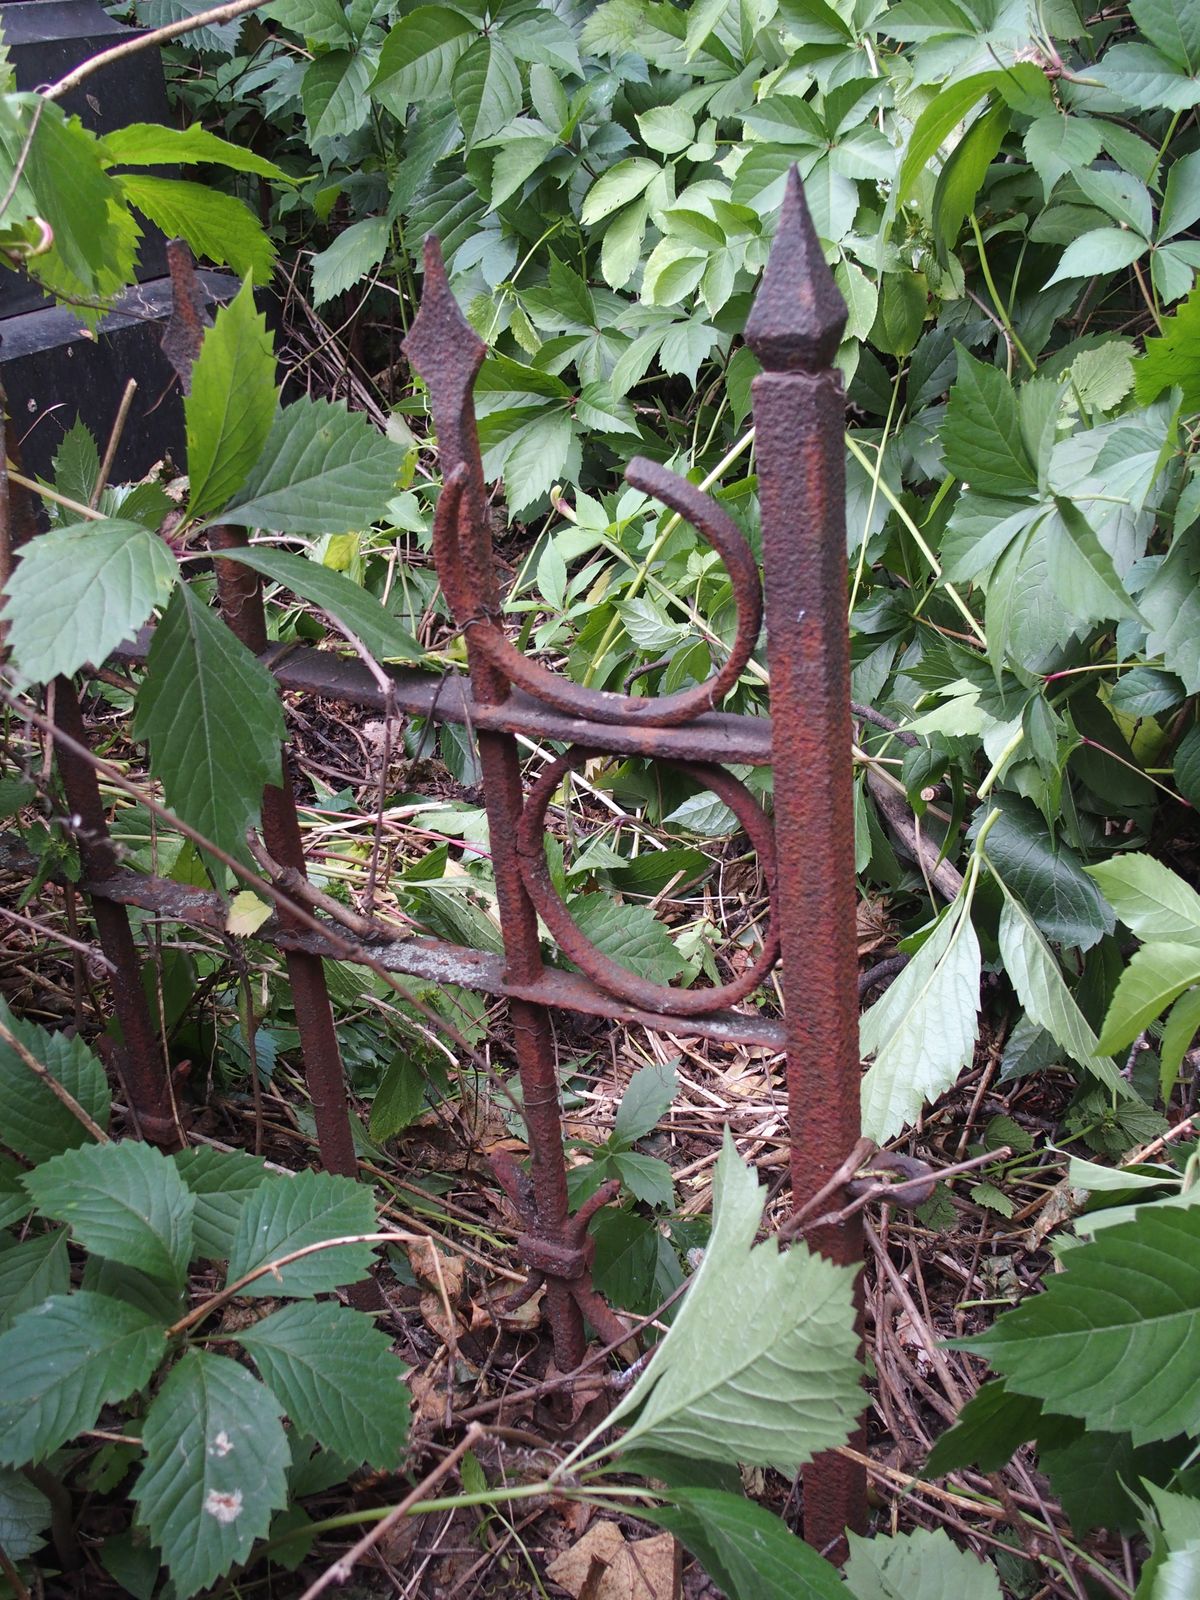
(144, 1069)
(448, 355)
(240, 592)
(799, 407)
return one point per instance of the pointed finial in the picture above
(798, 315)
(441, 344)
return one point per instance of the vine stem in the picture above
(146, 41)
(216, 1301)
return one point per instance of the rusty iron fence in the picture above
(806, 854)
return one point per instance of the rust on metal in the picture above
(806, 856)
(184, 332)
(240, 592)
(799, 408)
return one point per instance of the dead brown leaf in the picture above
(604, 1565)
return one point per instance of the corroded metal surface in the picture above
(794, 329)
(807, 859)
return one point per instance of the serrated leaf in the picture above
(745, 1548)
(646, 1177)
(418, 57)
(1170, 360)
(355, 252)
(1056, 143)
(1155, 976)
(78, 591)
(323, 469)
(286, 1214)
(31, 1271)
(991, 1427)
(768, 1391)
(922, 1030)
(486, 88)
(646, 1101)
(1114, 1338)
(65, 1359)
(149, 144)
(125, 1202)
(318, 21)
(399, 1099)
(1048, 877)
(1043, 992)
(1152, 901)
(24, 1515)
(212, 717)
(526, 145)
(1081, 570)
(1187, 766)
(246, 914)
(231, 403)
(337, 1379)
(214, 224)
(617, 187)
(630, 934)
(344, 600)
(33, 1121)
(982, 431)
(1099, 250)
(1170, 603)
(334, 94)
(221, 1181)
(215, 1470)
(923, 1565)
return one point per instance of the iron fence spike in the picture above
(441, 344)
(798, 316)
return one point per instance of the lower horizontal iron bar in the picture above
(435, 961)
(714, 736)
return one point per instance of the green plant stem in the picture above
(935, 565)
(639, 578)
(1000, 308)
(876, 476)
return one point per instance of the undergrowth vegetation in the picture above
(1008, 195)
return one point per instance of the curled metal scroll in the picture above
(605, 972)
(454, 537)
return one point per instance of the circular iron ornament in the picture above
(452, 542)
(608, 974)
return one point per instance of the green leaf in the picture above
(1156, 975)
(646, 1177)
(125, 1202)
(1046, 874)
(1146, 79)
(1172, 28)
(486, 88)
(418, 57)
(1114, 1338)
(1170, 603)
(64, 1360)
(355, 252)
(630, 934)
(1099, 250)
(1023, 86)
(1187, 766)
(772, 1390)
(526, 145)
(335, 594)
(1055, 144)
(1041, 989)
(318, 21)
(617, 187)
(923, 1565)
(24, 1515)
(214, 224)
(922, 1030)
(211, 715)
(399, 1099)
(991, 1427)
(1081, 569)
(33, 1121)
(531, 456)
(745, 1548)
(337, 1379)
(334, 95)
(1171, 360)
(667, 129)
(149, 144)
(982, 431)
(220, 1180)
(646, 1100)
(323, 469)
(31, 1272)
(1152, 901)
(231, 405)
(964, 172)
(79, 591)
(286, 1214)
(215, 1470)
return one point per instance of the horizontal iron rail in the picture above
(717, 736)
